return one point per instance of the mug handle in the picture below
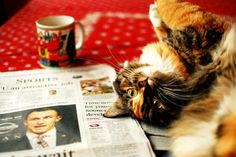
(80, 36)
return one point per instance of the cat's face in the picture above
(152, 97)
(155, 96)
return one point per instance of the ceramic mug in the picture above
(56, 40)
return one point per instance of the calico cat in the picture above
(186, 81)
(206, 126)
(184, 47)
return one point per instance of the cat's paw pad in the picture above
(153, 15)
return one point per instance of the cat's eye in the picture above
(132, 92)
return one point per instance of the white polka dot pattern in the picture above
(115, 31)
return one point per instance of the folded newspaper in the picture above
(58, 113)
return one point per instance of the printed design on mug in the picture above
(54, 48)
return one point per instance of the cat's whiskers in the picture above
(180, 91)
(165, 99)
(116, 58)
(170, 83)
(130, 71)
(178, 96)
(116, 65)
(100, 60)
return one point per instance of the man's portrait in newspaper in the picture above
(42, 128)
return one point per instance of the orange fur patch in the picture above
(166, 51)
(186, 14)
(137, 103)
(226, 146)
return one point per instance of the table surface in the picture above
(116, 30)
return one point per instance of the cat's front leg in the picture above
(159, 27)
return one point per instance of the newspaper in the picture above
(79, 97)
(158, 136)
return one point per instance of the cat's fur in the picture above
(191, 32)
(187, 77)
(207, 127)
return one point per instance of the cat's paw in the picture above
(153, 16)
(226, 132)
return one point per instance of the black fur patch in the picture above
(189, 39)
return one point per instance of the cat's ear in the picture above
(126, 64)
(116, 110)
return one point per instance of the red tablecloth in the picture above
(116, 30)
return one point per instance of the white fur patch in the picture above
(200, 143)
(152, 57)
(227, 43)
(197, 144)
(153, 15)
(227, 105)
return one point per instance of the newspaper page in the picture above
(58, 113)
(158, 136)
